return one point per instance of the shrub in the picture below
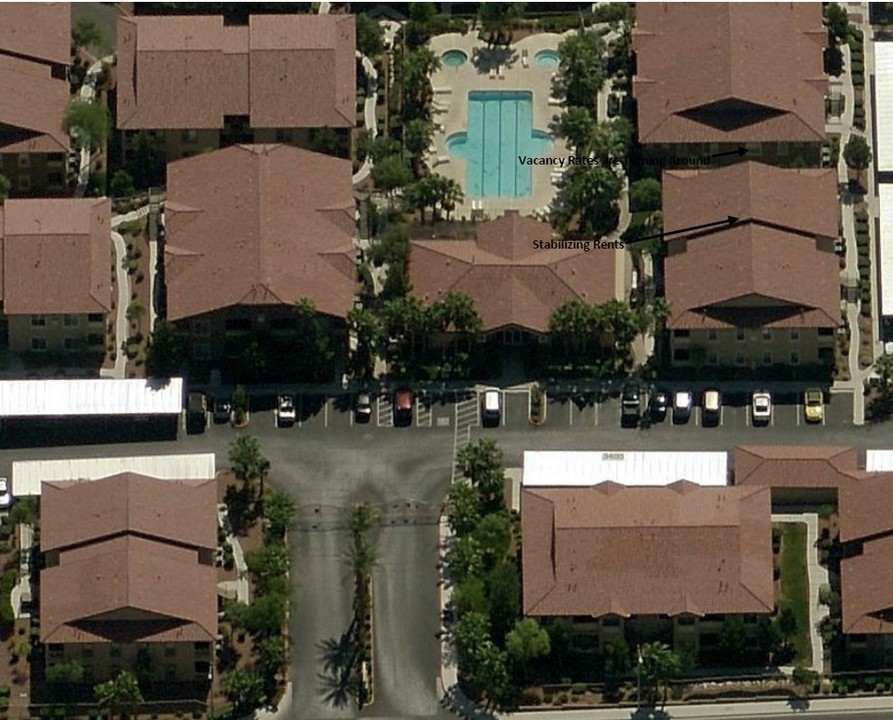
(132, 266)
(578, 688)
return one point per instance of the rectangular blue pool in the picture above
(500, 128)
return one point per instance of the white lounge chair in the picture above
(525, 59)
(442, 90)
(492, 73)
(502, 72)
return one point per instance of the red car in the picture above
(403, 407)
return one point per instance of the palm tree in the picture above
(118, 695)
(498, 20)
(247, 462)
(360, 519)
(657, 662)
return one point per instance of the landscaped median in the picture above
(793, 590)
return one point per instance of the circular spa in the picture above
(454, 58)
(547, 59)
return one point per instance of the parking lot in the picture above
(579, 412)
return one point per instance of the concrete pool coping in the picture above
(481, 72)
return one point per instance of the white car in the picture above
(681, 406)
(490, 411)
(285, 411)
(761, 405)
(5, 497)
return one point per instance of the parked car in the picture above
(630, 406)
(363, 408)
(5, 495)
(196, 413)
(285, 411)
(222, 410)
(681, 406)
(814, 405)
(490, 407)
(761, 405)
(658, 405)
(403, 407)
(712, 407)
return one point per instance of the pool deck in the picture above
(496, 69)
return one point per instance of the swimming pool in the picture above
(453, 58)
(500, 129)
(547, 59)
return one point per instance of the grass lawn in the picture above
(794, 589)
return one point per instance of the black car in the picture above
(658, 405)
(222, 409)
(630, 406)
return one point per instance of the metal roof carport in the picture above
(104, 397)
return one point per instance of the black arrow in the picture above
(729, 221)
(739, 152)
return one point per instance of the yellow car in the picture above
(813, 405)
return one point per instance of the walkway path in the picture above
(370, 120)
(88, 93)
(818, 576)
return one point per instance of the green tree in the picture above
(465, 557)
(587, 201)
(733, 639)
(24, 510)
(837, 21)
(493, 534)
(272, 656)
(883, 366)
(581, 72)
(265, 616)
(65, 673)
(455, 312)
(611, 140)
(487, 678)
(279, 511)
(481, 462)
(122, 184)
(463, 508)
(417, 136)
(87, 122)
(657, 663)
(856, 153)
(527, 641)
(267, 563)
(86, 34)
(406, 323)
(391, 173)
(248, 462)
(118, 696)
(576, 125)
(498, 20)
(504, 597)
(5, 185)
(244, 689)
(471, 632)
(644, 195)
(617, 657)
(392, 246)
(370, 36)
(366, 327)
(470, 595)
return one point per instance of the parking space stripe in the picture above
(797, 411)
(326, 411)
(570, 413)
(595, 420)
(300, 411)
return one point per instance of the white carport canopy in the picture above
(883, 101)
(60, 398)
(581, 468)
(27, 475)
(879, 460)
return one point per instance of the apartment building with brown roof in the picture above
(711, 77)
(765, 290)
(129, 573)
(515, 283)
(55, 276)
(200, 84)
(650, 561)
(250, 231)
(35, 53)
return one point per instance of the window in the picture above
(24, 160)
(795, 358)
(201, 351)
(94, 318)
(740, 334)
(681, 355)
(826, 332)
(201, 647)
(38, 320)
(681, 333)
(795, 333)
(202, 328)
(767, 358)
(38, 343)
(94, 339)
(739, 359)
(170, 651)
(72, 344)
(24, 183)
(712, 335)
(70, 320)
(686, 620)
(190, 136)
(826, 354)
(767, 334)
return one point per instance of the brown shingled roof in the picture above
(56, 255)
(793, 466)
(646, 550)
(33, 107)
(865, 508)
(259, 225)
(729, 72)
(129, 567)
(36, 30)
(765, 270)
(510, 282)
(282, 71)
(75, 512)
(866, 583)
